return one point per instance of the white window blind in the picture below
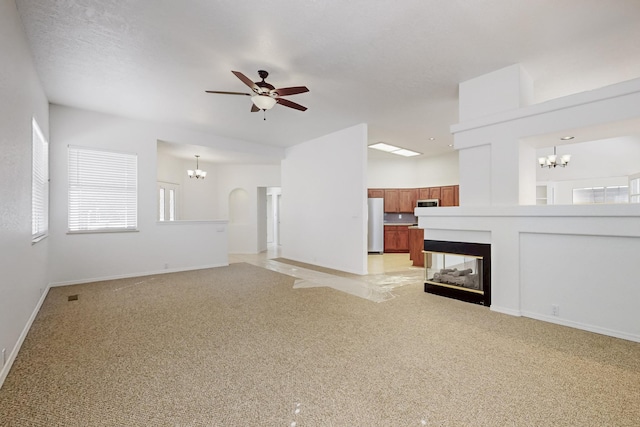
(103, 190)
(39, 184)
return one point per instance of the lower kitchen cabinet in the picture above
(396, 238)
(416, 246)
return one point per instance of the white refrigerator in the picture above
(375, 240)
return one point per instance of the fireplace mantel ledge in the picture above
(619, 210)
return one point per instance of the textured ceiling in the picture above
(392, 64)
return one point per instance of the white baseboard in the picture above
(127, 276)
(16, 348)
(504, 310)
(583, 326)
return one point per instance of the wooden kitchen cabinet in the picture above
(390, 238)
(416, 246)
(456, 199)
(377, 193)
(435, 193)
(403, 238)
(407, 200)
(396, 238)
(391, 200)
(448, 196)
(423, 193)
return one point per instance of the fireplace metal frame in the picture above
(476, 250)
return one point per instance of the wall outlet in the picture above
(166, 266)
(555, 310)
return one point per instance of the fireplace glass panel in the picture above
(454, 271)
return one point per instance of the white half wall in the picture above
(324, 201)
(23, 265)
(578, 258)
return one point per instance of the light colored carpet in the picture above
(238, 346)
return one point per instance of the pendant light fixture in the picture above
(551, 161)
(198, 173)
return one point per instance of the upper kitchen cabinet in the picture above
(435, 193)
(391, 200)
(401, 200)
(449, 196)
(375, 193)
(407, 201)
(423, 193)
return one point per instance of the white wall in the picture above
(506, 89)
(324, 206)
(413, 173)
(199, 196)
(248, 235)
(156, 246)
(563, 190)
(197, 199)
(605, 162)
(23, 266)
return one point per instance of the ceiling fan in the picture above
(265, 95)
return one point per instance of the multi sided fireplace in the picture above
(458, 270)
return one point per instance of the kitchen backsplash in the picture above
(400, 218)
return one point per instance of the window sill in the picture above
(115, 230)
(38, 239)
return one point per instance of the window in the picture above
(634, 189)
(39, 184)
(103, 190)
(614, 194)
(167, 194)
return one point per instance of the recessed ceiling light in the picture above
(566, 138)
(432, 138)
(384, 147)
(405, 152)
(450, 145)
(394, 150)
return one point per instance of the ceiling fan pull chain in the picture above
(264, 114)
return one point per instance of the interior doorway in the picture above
(274, 195)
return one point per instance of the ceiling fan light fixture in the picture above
(263, 102)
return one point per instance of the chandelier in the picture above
(551, 161)
(198, 173)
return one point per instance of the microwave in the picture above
(428, 203)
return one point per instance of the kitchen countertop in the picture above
(408, 224)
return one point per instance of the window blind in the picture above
(39, 184)
(103, 190)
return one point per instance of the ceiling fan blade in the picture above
(254, 109)
(246, 80)
(285, 91)
(290, 104)
(227, 93)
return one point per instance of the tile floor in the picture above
(386, 272)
